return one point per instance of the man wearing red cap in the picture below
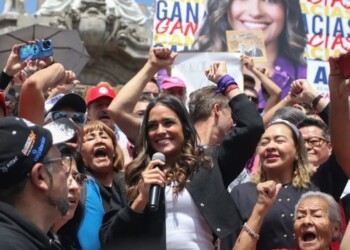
(97, 100)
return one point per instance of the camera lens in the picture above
(35, 49)
(46, 44)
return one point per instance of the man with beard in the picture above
(32, 174)
(97, 100)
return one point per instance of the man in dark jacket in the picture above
(33, 183)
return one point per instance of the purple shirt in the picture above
(285, 73)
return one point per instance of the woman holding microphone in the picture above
(195, 208)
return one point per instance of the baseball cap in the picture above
(71, 100)
(103, 89)
(2, 102)
(26, 144)
(171, 82)
(62, 130)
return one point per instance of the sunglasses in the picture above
(77, 117)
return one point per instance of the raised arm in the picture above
(339, 89)
(13, 67)
(32, 99)
(122, 106)
(302, 92)
(216, 73)
(271, 87)
(64, 87)
(239, 145)
(249, 236)
(285, 102)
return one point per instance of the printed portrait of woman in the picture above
(281, 22)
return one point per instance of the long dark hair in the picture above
(190, 156)
(291, 42)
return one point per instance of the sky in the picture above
(31, 4)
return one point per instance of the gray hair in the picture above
(202, 101)
(290, 114)
(333, 208)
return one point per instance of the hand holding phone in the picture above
(38, 50)
(344, 64)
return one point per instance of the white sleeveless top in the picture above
(186, 228)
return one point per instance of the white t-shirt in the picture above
(186, 228)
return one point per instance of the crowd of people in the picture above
(152, 167)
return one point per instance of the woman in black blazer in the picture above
(195, 208)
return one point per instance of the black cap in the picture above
(71, 100)
(23, 144)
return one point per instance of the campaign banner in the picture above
(176, 22)
(299, 38)
(328, 34)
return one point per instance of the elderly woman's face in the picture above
(265, 15)
(312, 227)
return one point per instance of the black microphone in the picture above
(155, 189)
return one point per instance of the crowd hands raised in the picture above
(78, 173)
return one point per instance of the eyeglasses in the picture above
(79, 178)
(77, 117)
(66, 163)
(315, 141)
(253, 99)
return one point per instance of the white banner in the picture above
(190, 67)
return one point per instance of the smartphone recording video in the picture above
(39, 50)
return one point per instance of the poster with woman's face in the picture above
(299, 35)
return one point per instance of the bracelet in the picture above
(315, 101)
(230, 87)
(224, 82)
(250, 232)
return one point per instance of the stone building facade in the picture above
(116, 33)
